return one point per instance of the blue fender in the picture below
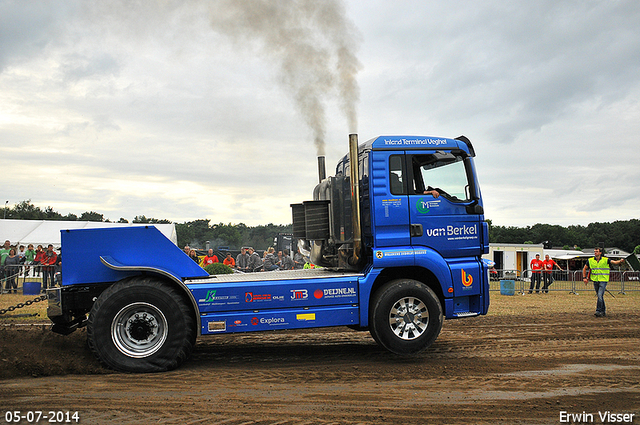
(111, 254)
(424, 257)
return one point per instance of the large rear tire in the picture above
(141, 324)
(406, 316)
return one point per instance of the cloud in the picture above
(516, 67)
(28, 28)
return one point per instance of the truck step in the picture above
(465, 314)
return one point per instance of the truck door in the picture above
(452, 222)
(391, 203)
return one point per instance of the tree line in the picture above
(193, 233)
(621, 234)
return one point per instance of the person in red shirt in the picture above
(48, 270)
(229, 261)
(547, 275)
(209, 259)
(536, 269)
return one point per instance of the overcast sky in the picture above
(186, 109)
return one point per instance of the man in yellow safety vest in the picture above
(597, 269)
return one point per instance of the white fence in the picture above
(28, 278)
(563, 280)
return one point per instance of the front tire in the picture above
(141, 324)
(406, 317)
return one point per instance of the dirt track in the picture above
(530, 359)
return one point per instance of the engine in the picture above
(327, 223)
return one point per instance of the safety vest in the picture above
(599, 269)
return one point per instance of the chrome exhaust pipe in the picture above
(355, 199)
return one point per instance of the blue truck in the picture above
(398, 239)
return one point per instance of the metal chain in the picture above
(24, 304)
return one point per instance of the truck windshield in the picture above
(445, 173)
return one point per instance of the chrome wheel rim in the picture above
(139, 330)
(409, 318)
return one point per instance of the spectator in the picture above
(299, 260)
(270, 260)
(38, 260)
(11, 266)
(48, 262)
(4, 253)
(29, 258)
(193, 255)
(547, 274)
(187, 250)
(287, 261)
(229, 261)
(21, 254)
(210, 258)
(58, 268)
(536, 268)
(242, 260)
(255, 263)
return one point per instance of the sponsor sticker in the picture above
(425, 206)
(237, 323)
(334, 293)
(271, 321)
(453, 232)
(251, 297)
(467, 279)
(212, 296)
(391, 203)
(299, 294)
(418, 141)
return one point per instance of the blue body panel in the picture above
(266, 320)
(298, 299)
(127, 246)
(283, 293)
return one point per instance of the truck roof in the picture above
(419, 142)
(408, 143)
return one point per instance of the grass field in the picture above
(561, 302)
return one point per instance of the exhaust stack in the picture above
(355, 198)
(322, 171)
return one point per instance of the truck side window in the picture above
(444, 172)
(396, 185)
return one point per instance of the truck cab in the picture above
(421, 216)
(425, 203)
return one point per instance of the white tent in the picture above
(43, 232)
